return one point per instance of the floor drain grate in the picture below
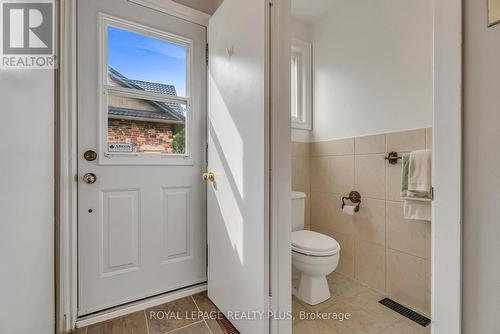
(404, 311)
(226, 325)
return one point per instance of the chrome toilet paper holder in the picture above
(355, 198)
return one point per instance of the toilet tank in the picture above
(298, 210)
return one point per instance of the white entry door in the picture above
(141, 109)
(237, 212)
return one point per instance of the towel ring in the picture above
(354, 197)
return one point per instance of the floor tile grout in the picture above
(147, 324)
(199, 310)
(183, 327)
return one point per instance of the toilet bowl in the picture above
(314, 255)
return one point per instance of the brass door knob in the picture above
(89, 178)
(209, 176)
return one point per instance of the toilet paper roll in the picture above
(349, 209)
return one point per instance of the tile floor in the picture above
(178, 317)
(367, 316)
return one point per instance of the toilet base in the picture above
(312, 290)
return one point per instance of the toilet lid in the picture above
(313, 243)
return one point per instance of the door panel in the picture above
(141, 107)
(176, 223)
(121, 229)
(237, 211)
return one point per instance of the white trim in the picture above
(66, 227)
(145, 95)
(280, 192)
(139, 306)
(304, 51)
(175, 9)
(447, 147)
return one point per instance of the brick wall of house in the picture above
(145, 136)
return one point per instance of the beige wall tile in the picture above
(428, 138)
(428, 241)
(406, 279)
(406, 141)
(393, 179)
(370, 265)
(404, 235)
(379, 229)
(307, 218)
(346, 263)
(333, 147)
(370, 144)
(346, 242)
(428, 276)
(341, 222)
(369, 222)
(341, 173)
(300, 174)
(300, 149)
(370, 175)
(320, 174)
(321, 210)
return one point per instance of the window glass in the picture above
(146, 63)
(295, 88)
(144, 126)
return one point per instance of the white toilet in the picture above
(314, 255)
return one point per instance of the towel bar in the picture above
(393, 157)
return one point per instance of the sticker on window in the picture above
(120, 147)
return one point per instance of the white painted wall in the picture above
(481, 226)
(26, 202)
(206, 6)
(303, 32)
(372, 68)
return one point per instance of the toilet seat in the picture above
(314, 244)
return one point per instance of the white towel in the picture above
(420, 171)
(417, 209)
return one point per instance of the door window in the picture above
(146, 84)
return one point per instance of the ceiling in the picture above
(310, 11)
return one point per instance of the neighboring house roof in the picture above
(126, 112)
(168, 111)
(155, 87)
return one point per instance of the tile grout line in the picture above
(183, 327)
(199, 310)
(147, 324)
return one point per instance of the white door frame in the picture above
(446, 287)
(447, 164)
(66, 165)
(446, 258)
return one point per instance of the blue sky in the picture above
(144, 58)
